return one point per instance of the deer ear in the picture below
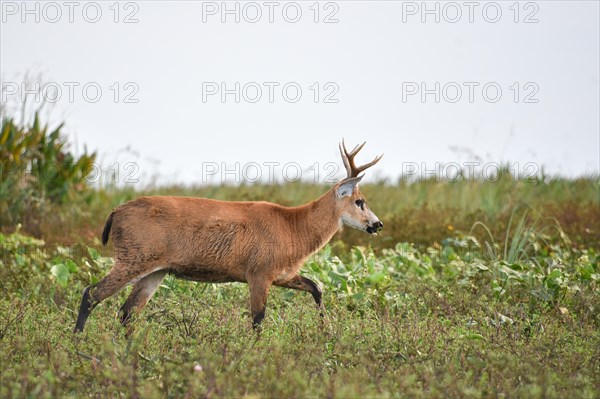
(346, 187)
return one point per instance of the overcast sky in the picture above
(179, 88)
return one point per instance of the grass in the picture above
(422, 212)
(475, 289)
(453, 320)
(440, 343)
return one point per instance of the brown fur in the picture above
(206, 240)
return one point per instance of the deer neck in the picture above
(316, 223)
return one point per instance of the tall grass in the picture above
(507, 309)
(44, 188)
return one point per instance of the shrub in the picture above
(37, 168)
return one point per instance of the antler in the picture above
(348, 159)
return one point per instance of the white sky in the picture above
(374, 55)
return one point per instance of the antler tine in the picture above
(368, 165)
(348, 158)
(355, 150)
(343, 153)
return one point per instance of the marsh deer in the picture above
(259, 243)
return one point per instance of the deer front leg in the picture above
(259, 289)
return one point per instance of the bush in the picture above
(37, 168)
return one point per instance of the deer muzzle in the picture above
(375, 227)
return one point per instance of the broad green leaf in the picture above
(93, 253)
(72, 266)
(61, 272)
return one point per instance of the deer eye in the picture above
(360, 203)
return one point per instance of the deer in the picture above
(259, 243)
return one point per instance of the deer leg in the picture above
(259, 289)
(118, 278)
(304, 284)
(140, 295)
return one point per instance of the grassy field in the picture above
(460, 318)
(422, 212)
(474, 289)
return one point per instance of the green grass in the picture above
(474, 289)
(453, 320)
(422, 212)
(440, 342)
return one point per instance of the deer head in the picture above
(355, 212)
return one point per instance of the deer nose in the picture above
(378, 225)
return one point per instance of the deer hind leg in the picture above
(259, 289)
(117, 278)
(140, 295)
(304, 284)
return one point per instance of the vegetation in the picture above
(474, 289)
(37, 170)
